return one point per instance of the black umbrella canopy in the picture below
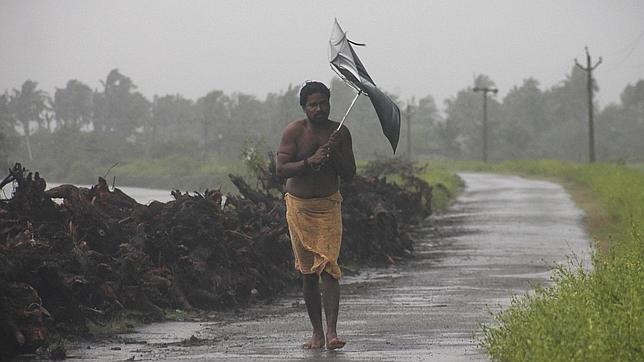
(346, 63)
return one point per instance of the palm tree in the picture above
(28, 105)
(73, 105)
(6, 124)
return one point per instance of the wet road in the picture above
(503, 234)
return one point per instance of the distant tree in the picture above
(27, 107)
(522, 121)
(173, 118)
(214, 114)
(426, 120)
(7, 132)
(279, 110)
(484, 81)
(288, 105)
(6, 117)
(73, 105)
(462, 131)
(620, 127)
(616, 133)
(565, 132)
(246, 118)
(633, 98)
(119, 109)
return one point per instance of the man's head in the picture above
(314, 99)
(311, 88)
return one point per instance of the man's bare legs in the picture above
(330, 298)
(331, 301)
(311, 287)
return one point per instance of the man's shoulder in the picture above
(296, 125)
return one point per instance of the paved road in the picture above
(503, 234)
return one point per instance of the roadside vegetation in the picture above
(595, 315)
(179, 172)
(445, 185)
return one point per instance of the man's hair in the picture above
(312, 88)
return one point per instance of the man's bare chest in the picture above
(309, 142)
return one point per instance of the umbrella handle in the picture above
(349, 110)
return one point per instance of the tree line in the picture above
(79, 125)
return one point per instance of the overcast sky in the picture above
(414, 47)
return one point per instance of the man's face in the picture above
(317, 108)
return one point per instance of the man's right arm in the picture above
(285, 163)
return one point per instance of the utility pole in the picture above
(591, 127)
(485, 91)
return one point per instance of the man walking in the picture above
(313, 157)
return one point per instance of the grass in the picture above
(439, 175)
(184, 173)
(637, 166)
(173, 172)
(122, 323)
(445, 185)
(584, 316)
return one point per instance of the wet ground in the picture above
(502, 235)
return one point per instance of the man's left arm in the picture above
(342, 157)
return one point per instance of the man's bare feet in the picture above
(333, 342)
(314, 343)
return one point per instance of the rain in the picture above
(149, 155)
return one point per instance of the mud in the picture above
(503, 235)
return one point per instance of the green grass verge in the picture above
(174, 172)
(584, 316)
(122, 323)
(445, 185)
(183, 173)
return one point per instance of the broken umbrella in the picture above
(345, 62)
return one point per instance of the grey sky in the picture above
(414, 48)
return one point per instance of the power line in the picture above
(629, 49)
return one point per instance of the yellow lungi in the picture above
(315, 226)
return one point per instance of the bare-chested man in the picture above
(313, 156)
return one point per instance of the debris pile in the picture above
(377, 217)
(98, 253)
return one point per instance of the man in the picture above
(312, 155)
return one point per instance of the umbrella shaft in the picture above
(349, 110)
